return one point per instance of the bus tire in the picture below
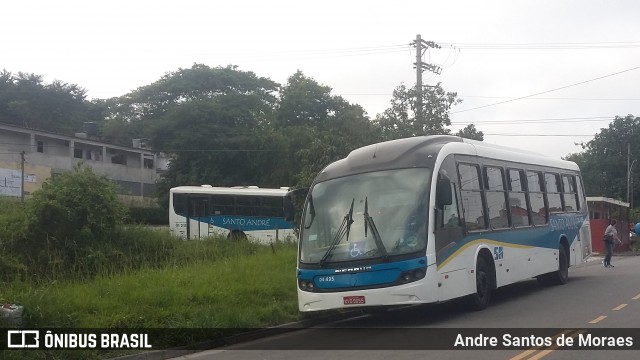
(236, 235)
(560, 276)
(484, 286)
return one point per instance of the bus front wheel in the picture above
(480, 300)
(560, 276)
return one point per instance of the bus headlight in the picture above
(411, 276)
(306, 285)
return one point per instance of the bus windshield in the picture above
(366, 216)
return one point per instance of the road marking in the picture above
(524, 354)
(619, 307)
(548, 351)
(597, 320)
(636, 297)
(545, 351)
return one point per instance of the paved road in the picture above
(596, 301)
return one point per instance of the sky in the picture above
(543, 75)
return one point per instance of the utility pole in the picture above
(421, 47)
(22, 176)
(630, 177)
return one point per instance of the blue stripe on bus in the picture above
(245, 223)
(547, 236)
(346, 277)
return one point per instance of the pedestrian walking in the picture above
(610, 238)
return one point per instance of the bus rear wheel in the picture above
(237, 235)
(484, 286)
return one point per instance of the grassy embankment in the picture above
(210, 284)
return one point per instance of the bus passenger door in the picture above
(198, 217)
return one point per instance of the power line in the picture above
(503, 97)
(548, 91)
(539, 121)
(546, 46)
(535, 135)
(550, 98)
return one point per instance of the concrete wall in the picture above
(134, 170)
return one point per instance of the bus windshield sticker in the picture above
(357, 249)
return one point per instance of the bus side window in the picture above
(496, 196)
(539, 212)
(569, 193)
(223, 205)
(579, 193)
(180, 203)
(198, 206)
(553, 189)
(518, 205)
(471, 193)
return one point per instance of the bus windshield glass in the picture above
(366, 216)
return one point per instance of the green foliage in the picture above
(12, 220)
(401, 119)
(67, 221)
(202, 284)
(131, 116)
(25, 100)
(603, 161)
(148, 216)
(304, 102)
(320, 128)
(470, 132)
(226, 127)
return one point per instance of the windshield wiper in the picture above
(343, 230)
(368, 223)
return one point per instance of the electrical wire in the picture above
(547, 91)
(545, 46)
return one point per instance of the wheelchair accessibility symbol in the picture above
(356, 249)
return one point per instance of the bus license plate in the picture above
(353, 300)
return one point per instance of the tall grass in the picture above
(210, 284)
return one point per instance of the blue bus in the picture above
(241, 212)
(434, 218)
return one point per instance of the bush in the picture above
(148, 216)
(68, 222)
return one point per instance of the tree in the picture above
(142, 108)
(320, 128)
(25, 100)
(304, 102)
(470, 132)
(210, 121)
(400, 119)
(603, 161)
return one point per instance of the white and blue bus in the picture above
(197, 212)
(434, 218)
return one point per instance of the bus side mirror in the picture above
(289, 210)
(443, 193)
